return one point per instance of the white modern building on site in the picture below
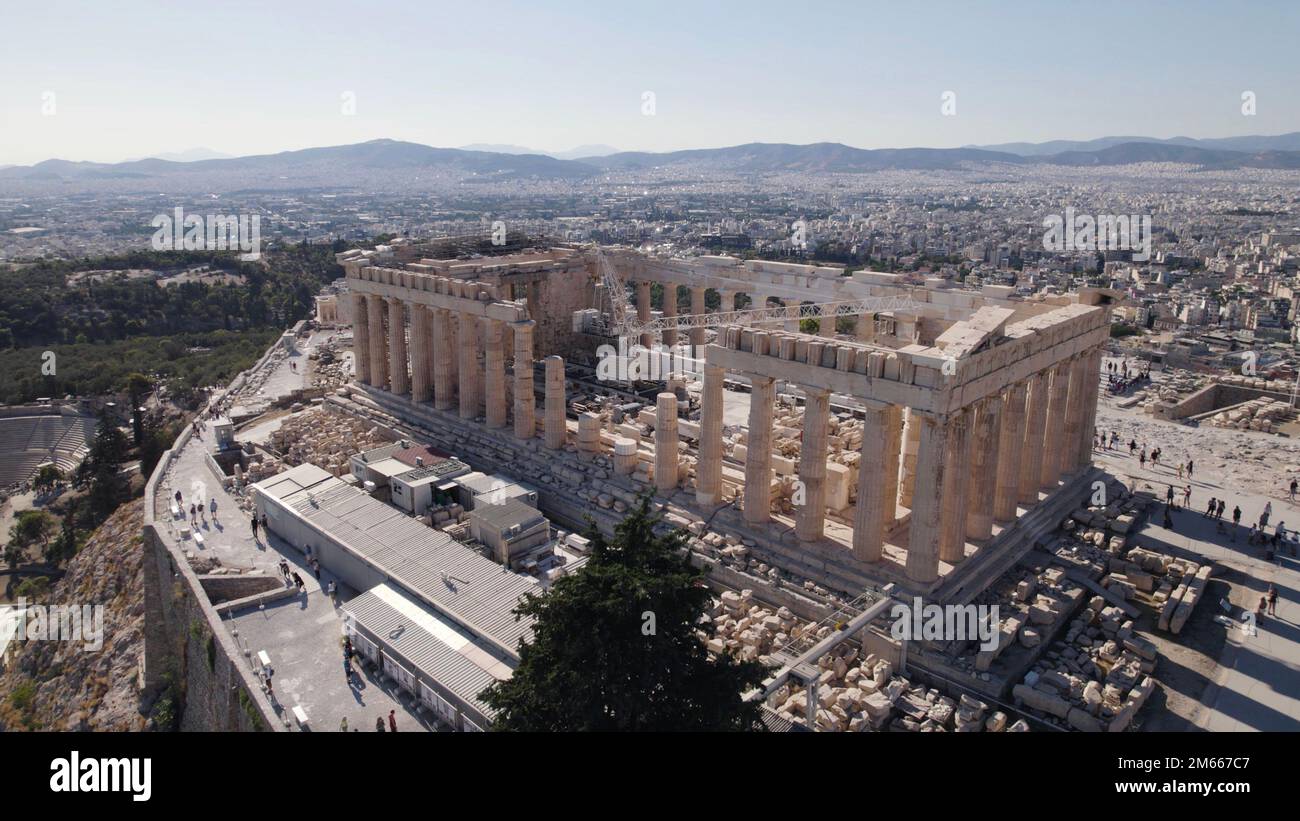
(435, 615)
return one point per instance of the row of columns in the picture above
(864, 323)
(958, 474)
(457, 360)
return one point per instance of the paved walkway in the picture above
(301, 635)
(1258, 682)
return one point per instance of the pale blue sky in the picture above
(132, 79)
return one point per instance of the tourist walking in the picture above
(194, 515)
(253, 524)
(1187, 496)
(1218, 512)
(1293, 487)
(392, 720)
(212, 507)
(1272, 601)
(1209, 511)
(297, 580)
(315, 567)
(343, 725)
(379, 723)
(1189, 468)
(333, 589)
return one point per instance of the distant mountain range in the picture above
(391, 163)
(1254, 143)
(572, 154)
(190, 155)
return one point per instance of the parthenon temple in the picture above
(854, 430)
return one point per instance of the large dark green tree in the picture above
(615, 646)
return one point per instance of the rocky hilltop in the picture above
(60, 685)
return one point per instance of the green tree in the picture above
(616, 646)
(46, 477)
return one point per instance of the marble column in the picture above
(907, 462)
(952, 530)
(666, 451)
(1074, 407)
(758, 451)
(923, 540)
(708, 470)
(697, 309)
(826, 325)
(1087, 432)
(875, 506)
(670, 312)
(864, 327)
(810, 517)
(397, 346)
(1010, 443)
(1031, 465)
(555, 403)
(525, 425)
(643, 311)
(360, 339)
(468, 336)
(893, 449)
(419, 353)
(494, 372)
(378, 341)
(727, 301)
(442, 358)
(1054, 426)
(983, 472)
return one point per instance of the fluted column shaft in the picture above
(810, 517)
(360, 339)
(670, 310)
(697, 308)
(468, 338)
(397, 346)
(1074, 412)
(923, 540)
(708, 470)
(443, 354)
(983, 475)
(758, 451)
(555, 403)
(1088, 430)
(1011, 440)
(1054, 427)
(952, 533)
(666, 450)
(378, 341)
(419, 353)
(874, 508)
(1031, 465)
(525, 424)
(494, 371)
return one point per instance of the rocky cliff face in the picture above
(61, 685)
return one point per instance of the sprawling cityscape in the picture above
(364, 434)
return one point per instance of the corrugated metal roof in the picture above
(380, 611)
(477, 592)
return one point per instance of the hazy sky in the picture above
(132, 79)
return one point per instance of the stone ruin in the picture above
(1096, 677)
(324, 438)
(1263, 415)
(857, 693)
